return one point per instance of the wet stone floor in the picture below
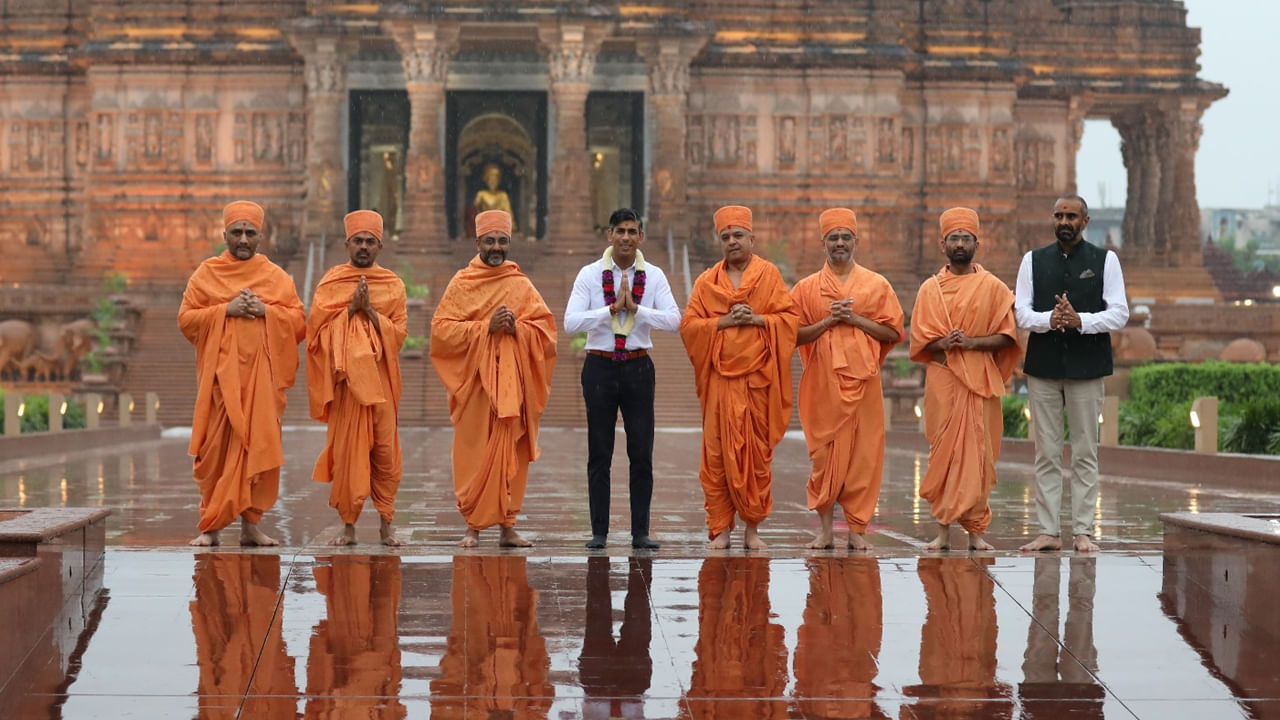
(306, 631)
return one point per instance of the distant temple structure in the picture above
(127, 125)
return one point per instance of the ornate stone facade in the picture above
(874, 105)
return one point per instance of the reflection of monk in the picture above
(496, 662)
(838, 645)
(233, 612)
(958, 643)
(1062, 671)
(353, 669)
(490, 197)
(616, 673)
(740, 658)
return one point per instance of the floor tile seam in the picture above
(262, 648)
(1056, 639)
(656, 621)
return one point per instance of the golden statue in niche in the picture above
(491, 197)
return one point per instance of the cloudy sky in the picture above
(1239, 160)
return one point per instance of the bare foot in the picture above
(251, 535)
(470, 539)
(1043, 543)
(752, 539)
(205, 539)
(719, 542)
(822, 541)
(346, 537)
(858, 542)
(510, 538)
(1084, 543)
(388, 533)
(977, 542)
(942, 541)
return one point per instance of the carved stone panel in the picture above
(1035, 158)
(82, 140)
(1001, 152)
(786, 133)
(908, 149)
(886, 142)
(204, 127)
(104, 139)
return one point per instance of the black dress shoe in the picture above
(642, 542)
(597, 542)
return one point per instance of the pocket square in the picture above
(1086, 274)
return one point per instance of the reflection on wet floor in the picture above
(514, 636)
(159, 631)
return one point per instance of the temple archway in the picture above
(496, 140)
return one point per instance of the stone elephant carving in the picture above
(17, 341)
(45, 351)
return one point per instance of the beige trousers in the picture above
(1082, 400)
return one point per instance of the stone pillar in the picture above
(124, 409)
(12, 417)
(668, 60)
(1183, 210)
(56, 402)
(326, 57)
(92, 411)
(425, 51)
(1140, 149)
(571, 58)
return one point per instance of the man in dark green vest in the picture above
(1070, 296)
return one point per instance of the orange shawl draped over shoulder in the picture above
(743, 378)
(840, 363)
(962, 414)
(361, 456)
(342, 346)
(251, 360)
(498, 385)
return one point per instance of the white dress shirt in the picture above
(587, 311)
(1114, 317)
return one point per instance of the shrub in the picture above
(1229, 382)
(1252, 427)
(35, 416)
(1015, 422)
(1157, 413)
(579, 342)
(414, 342)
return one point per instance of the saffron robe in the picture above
(243, 368)
(353, 384)
(498, 386)
(841, 403)
(743, 379)
(962, 414)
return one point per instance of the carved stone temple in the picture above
(127, 126)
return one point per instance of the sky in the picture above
(1238, 165)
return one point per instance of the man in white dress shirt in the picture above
(1071, 296)
(617, 300)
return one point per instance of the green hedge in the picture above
(35, 417)
(1157, 413)
(1178, 382)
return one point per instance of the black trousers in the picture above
(608, 387)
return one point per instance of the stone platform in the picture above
(559, 632)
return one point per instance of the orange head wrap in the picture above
(493, 221)
(838, 218)
(359, 221)
(958, 218)
(732, 215)
(242, 210)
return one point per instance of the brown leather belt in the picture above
(629, 355)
